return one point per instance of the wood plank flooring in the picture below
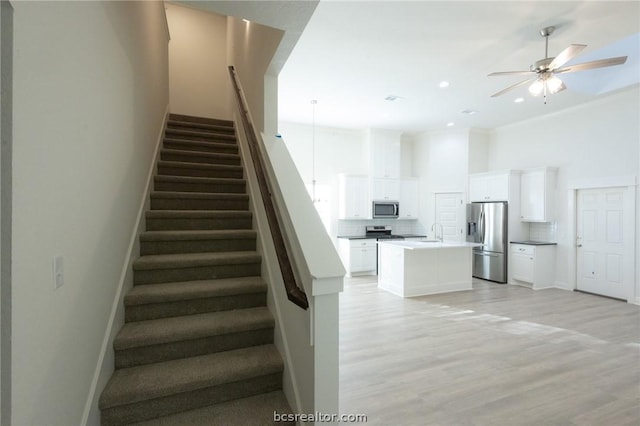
(497, 355)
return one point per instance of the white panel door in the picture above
(450, 212)
(601, 242)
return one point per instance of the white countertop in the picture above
(422, 245)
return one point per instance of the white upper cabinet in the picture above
(385, 189)
(384, 153)
(354, 201)
(408, 199)
(493, 186)
(537, 190)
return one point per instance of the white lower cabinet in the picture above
(358, 255)
(532, 265)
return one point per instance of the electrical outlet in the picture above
(58, 272)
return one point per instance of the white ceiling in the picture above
(353, 54)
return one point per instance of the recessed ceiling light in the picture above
(518, 100)
(469, 111)
(443, 84)
(450, 124)
(392, 98)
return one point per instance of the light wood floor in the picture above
(497, 355)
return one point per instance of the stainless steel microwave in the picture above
(385, 210)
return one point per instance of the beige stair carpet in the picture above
(197, 344)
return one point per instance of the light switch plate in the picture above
(58, 272)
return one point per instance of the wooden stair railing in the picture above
(294, 293)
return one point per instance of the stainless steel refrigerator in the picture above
(487, 224)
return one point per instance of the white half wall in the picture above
(90, 94)
(198, 62)
(595, 141)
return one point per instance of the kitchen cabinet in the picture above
(353, 197)
(385, 189)
(409, 197)
(358, 255)
(384, 153)
(537, 191)
(493, 186)
(532, 265)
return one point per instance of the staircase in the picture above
(197, 344)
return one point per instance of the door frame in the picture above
(629, 183)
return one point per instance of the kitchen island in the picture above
(418, 268)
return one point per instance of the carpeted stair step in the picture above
(215, 128)
(158, 340)
(199, 157)
(145, 392)
(166, 200)
(187, 145)
(145, 302)
(201, 120)
(199, 184)
(200, 135)
(197, 241)
(158, 220)
(254, 410)
(165, 268)
(178, 168)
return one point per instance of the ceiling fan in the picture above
(543, 72)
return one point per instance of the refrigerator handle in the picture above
(481, 226)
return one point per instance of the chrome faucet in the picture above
(435, 233)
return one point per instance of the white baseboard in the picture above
(105, 366)
(562, 286)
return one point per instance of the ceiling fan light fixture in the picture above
(554, 84)
(537, 87)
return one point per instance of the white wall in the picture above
(90, 93)
(198, 62)
(250, 49)
(595, 140)
(336, 151)
(441, 163)
(6, 137)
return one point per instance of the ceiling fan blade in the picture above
(511, 73)
(593, 64)
(510, 88)
(566, 55)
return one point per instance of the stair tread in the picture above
(203, 154)
(150, 381)
(197, 195)
(173, 329)
(187, 165)
(185, 260)
(204, 126)
(200, 133)
(188, 290)
(256, 410)
(190, 235)
(195, 214)
(197, 179)
(222, 144)
(199, 119)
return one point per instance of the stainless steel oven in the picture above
(385, 210)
